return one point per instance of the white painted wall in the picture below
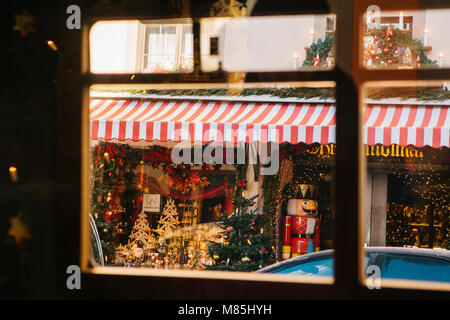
(211, 27)
(437, 23)
(266, 43)
(108, 47)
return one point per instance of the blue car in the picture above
(394, 263)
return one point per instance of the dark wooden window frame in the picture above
(73, 167)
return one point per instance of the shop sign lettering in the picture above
(393, 151)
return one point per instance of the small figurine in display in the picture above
(407, 56)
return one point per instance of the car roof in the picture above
(422, 252)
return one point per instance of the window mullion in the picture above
(347, 249)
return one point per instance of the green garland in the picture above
(298, 93)
(323, 47)
(404, 93)
(420, 94)
(399, 39)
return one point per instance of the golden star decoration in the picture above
(24, 23)
(18, 230)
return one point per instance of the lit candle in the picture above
(13, 173)
(311, 37)
(400, 20)
(334, 22)
(52, 45)
(425, 37)
(295, 61)
(441, 60)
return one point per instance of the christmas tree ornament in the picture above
(18, 230)
(24, 23)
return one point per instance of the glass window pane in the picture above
(142, 46)
(405, 39)
(212, 177)
(303, 42)
(290, 43)
(406, 144)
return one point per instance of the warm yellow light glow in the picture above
(106, 155)
(52, 45)
(401, 13)
(13, 173)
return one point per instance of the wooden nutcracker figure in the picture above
(301, 225)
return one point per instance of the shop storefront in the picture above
(153, 212)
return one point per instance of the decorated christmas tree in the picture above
(245, 242)
(169, 219)
(142, 234)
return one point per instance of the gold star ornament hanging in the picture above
(24, 23)
(18, 230)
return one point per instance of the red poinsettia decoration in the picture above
(242, 183)
(194, 178)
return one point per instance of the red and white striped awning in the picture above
(404, 125)
(230, 121)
